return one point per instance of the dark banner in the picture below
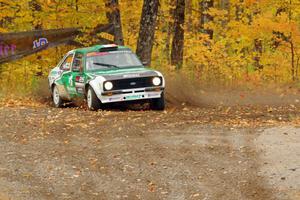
(14, 46)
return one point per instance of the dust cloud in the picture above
(181, 91)
(41, 92)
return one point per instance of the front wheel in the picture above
(92, 100)
(159, 103)
(57, 100)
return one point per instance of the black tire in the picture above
(159, 103)
(93, 102)
(57, 100)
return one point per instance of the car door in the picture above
(77, 75)
(66, 76)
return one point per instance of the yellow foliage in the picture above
(231, 55)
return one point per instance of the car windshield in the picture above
(107, 60)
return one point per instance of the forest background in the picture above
(222, 42)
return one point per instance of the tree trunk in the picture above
(178, 39)
(170, 30)
(147, 30)
(225, 5)
(114, 18)
(258, 49)
(205, 5)
(293, 60)
(37, 25)
(77, 9)
(297, 68)
(189, 9)
(239, 10)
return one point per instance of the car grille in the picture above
(131, 83)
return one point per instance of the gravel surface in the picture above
(186, 153)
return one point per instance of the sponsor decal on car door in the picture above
(66, 77)
(77, 75)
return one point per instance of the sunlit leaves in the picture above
(230, 55)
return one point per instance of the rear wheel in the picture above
(57, 100)
(159, 103)
(92, 100)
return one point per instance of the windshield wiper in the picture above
(107, 65)
(134, 66)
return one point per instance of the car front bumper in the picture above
(131, 95)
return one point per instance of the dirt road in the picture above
(186, 153)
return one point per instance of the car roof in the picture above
(96, 48)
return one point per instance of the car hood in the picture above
(116, 74)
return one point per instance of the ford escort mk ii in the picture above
(105, 74)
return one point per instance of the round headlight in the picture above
(156, 81)
(108, 85)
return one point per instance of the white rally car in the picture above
(106, 74)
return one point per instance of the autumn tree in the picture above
(225, 5)
(205, 17)
(147, 30)
(178, 38)
(36, 8)
(189, 10)
(114, 18)
(170, 27)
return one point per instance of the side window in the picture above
(77, 63)
(66, 65)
